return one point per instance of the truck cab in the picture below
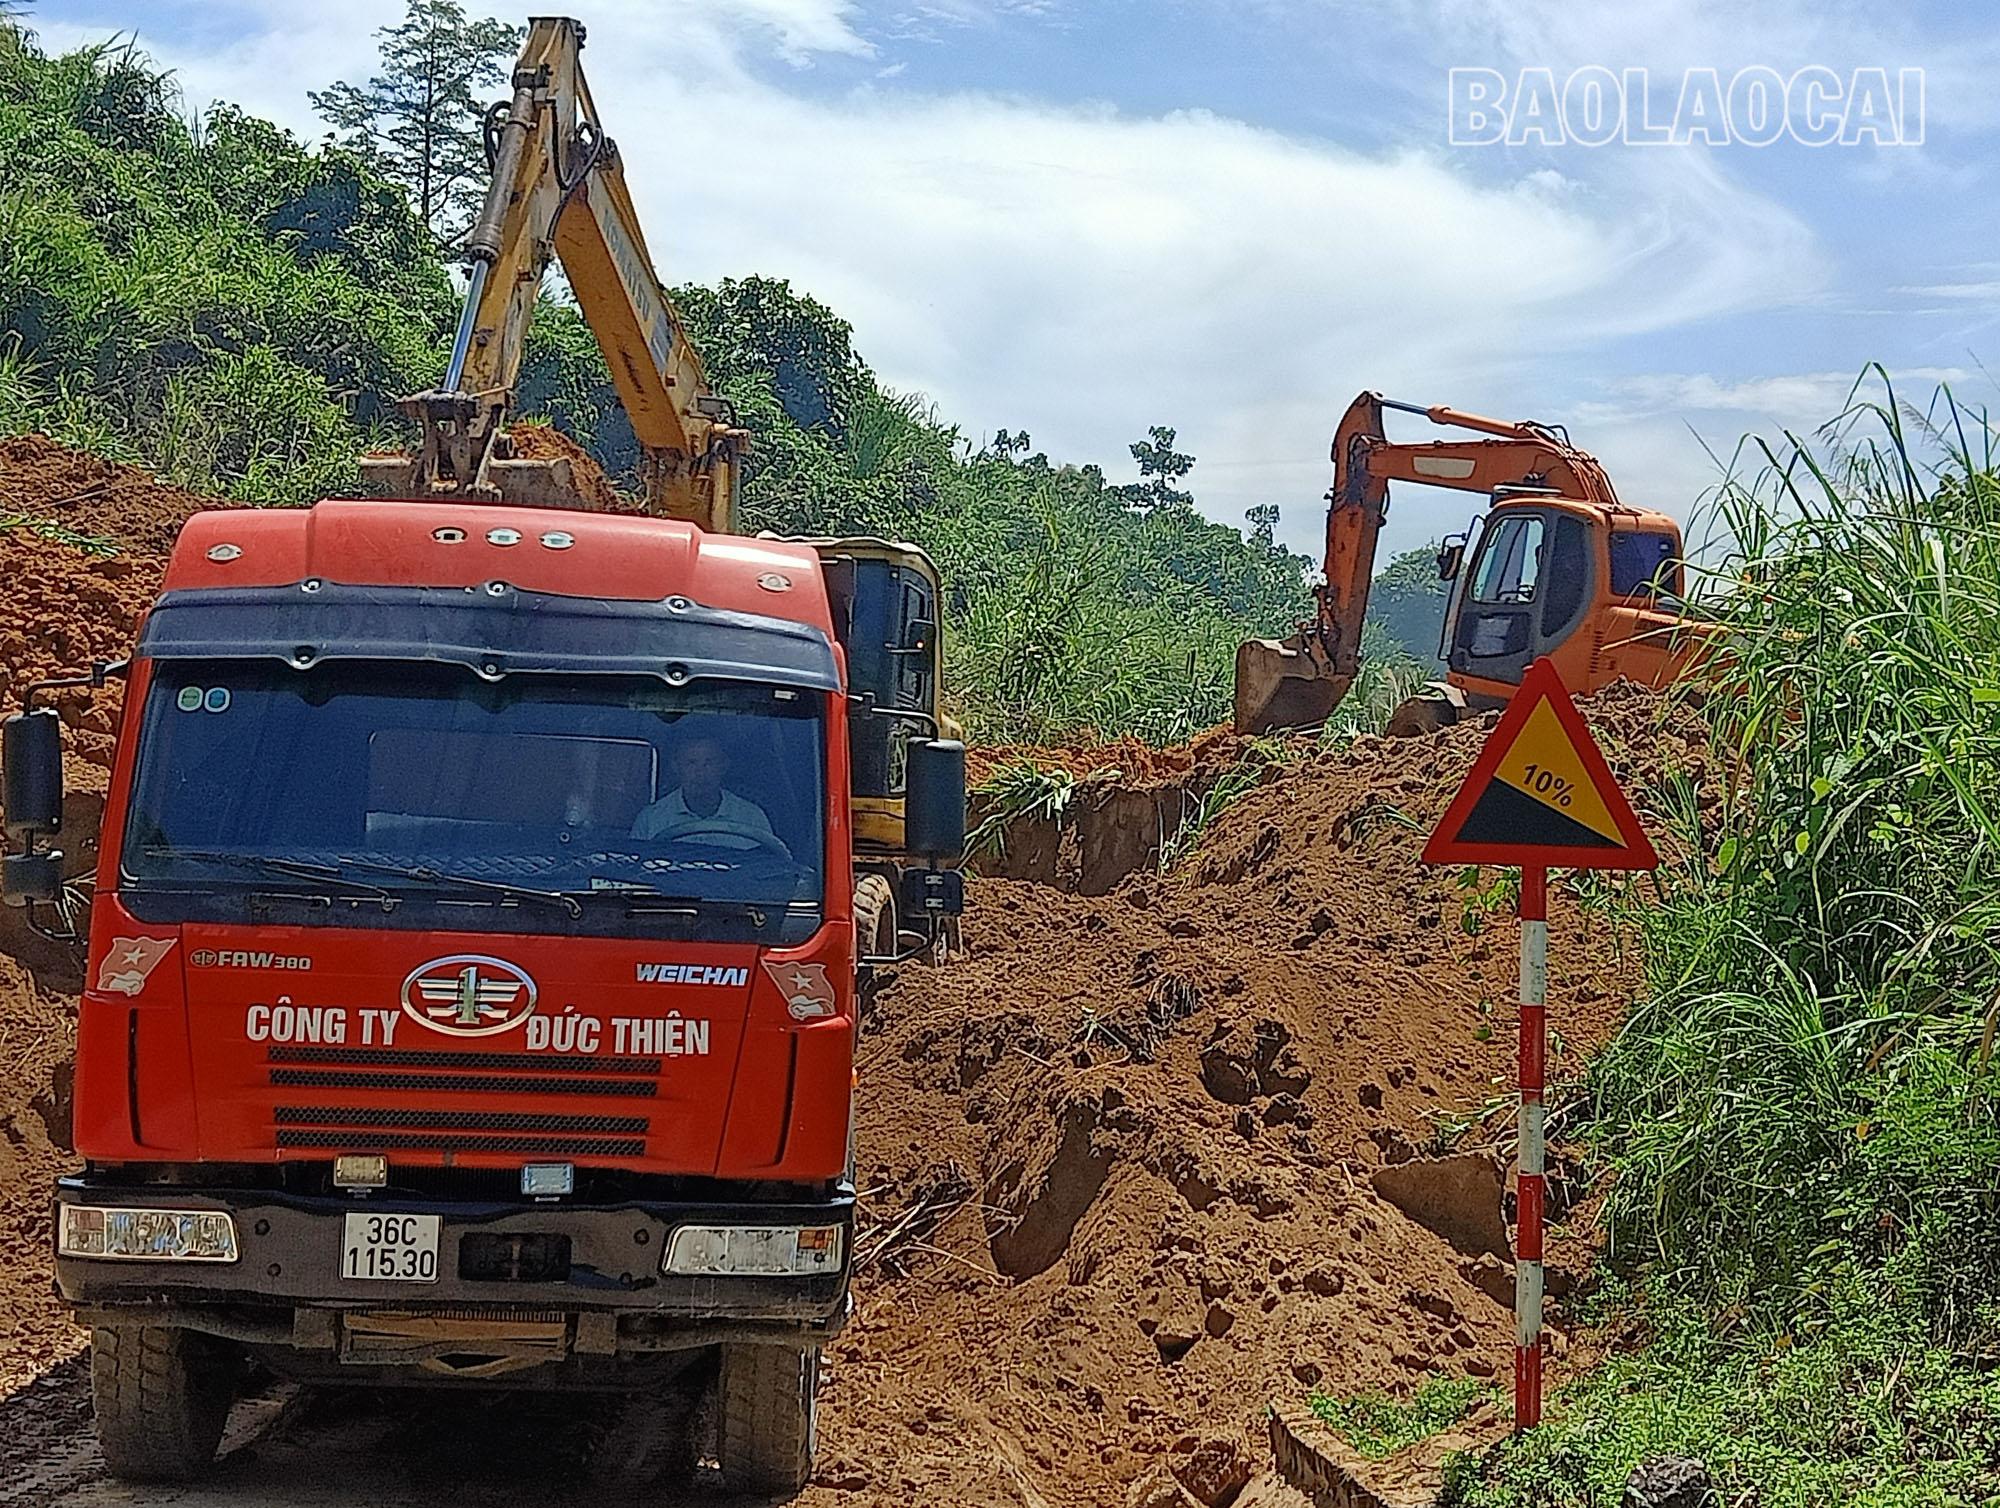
(474, 960)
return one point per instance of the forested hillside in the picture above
(235, 309)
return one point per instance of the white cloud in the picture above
(1083, 273)
(1979, 292)
(1797, 400)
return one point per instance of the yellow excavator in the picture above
(558, 192)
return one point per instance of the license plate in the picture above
(390, 1248)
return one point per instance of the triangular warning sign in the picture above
(1540, 793)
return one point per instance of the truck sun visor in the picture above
(493, 630)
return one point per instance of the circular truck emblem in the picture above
(469, 995)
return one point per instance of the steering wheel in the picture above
(756, 835)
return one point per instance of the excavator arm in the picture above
(558, 191)
(1298, 681)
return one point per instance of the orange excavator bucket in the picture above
(1285, 683)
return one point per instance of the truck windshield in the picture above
(602, 804)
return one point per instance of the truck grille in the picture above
(355, 1116)
(464, 1083)
(378, 1128)
(395, 1141)
(378, 1057)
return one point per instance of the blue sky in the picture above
(1081, 217)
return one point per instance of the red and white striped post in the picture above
(1534, 911)
(1539, 793)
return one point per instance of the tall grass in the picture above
(1801, 1121)
(1821, 1030)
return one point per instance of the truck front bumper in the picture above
(599, 1261)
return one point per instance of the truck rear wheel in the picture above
(766, 1417)
(161, 1396)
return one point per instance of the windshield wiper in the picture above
(424, 874)
(646, 898)
(296, 869)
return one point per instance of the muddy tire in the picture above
(874, 916)
(161, 1396)
(766, 1417)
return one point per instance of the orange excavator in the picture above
(1558, 567)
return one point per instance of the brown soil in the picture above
(103, 499)
(1173, 1133)
(1130, 762)
(1137, 1162)
(61, 607)
(541, 442)
(37, 1038)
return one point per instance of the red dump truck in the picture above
(484, 899)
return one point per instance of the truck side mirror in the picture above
(934, 799)
(1451, 556)
(30, 877)
(31, 788)
(31, 784)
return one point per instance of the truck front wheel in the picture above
(766, 1416)
(161, 1396)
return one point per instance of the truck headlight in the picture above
(147, 1235)
(754, 1250)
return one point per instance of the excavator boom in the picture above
(558, 191)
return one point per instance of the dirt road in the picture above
(326, 1449)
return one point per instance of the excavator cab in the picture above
(1597, 592)
(1525, 591)
(886, 600)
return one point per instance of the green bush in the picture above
(218, 303)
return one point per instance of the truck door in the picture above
(1528, 590)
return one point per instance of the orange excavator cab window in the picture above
(1645, 561)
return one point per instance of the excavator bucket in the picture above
(539, 482)
(1284, 683)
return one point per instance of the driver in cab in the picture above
(701, 806)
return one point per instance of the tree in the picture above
(417, 122)
(1408, 600)
(1160, 466)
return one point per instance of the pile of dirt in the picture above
(1140, 1162)
(37, 1042)
(40, 479)
(1127, 761)
(61, 608)
(63, 605)
(542, 442)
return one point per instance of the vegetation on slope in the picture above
(1802, 1122)
(218, 303)
(238, 311)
